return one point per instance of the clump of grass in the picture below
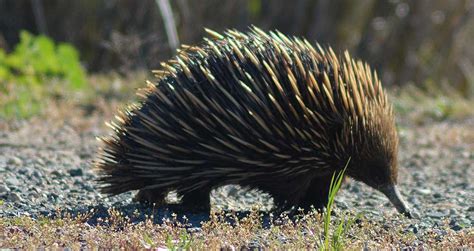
(184, 241)
(336, 239)
(35, 70)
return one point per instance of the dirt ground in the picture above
(45, 164)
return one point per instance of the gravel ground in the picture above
(45, 165)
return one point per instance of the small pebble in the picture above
(233, 191)
(88, 187)
(4, 190)
(413, 200)
(437, 195)
(413, 228)
(15, 161)
(415, 214)
(436, 214)
(369, 203)
(75, 172)
(440, 232)
(342, 205)
(23, 171)
(40, 162)
(56, 173)
(355, 189)
(12, 181)
(424, 191)
(456, 227)
(15, 197)
(37, 174)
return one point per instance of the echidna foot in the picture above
(196, 201)
(150, 196)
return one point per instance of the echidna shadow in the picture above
(261, 110)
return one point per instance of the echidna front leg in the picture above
(197, 201)
(151, 196)
(317, 193)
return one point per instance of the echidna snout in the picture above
(392, 193)
(257, 109)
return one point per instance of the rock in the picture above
(440, 232)
(233, 191)
(15, 197)
(454, 225)
(57, 173)
(34, 195)
(4, 190)
(369, 203)
(76, 172)
(88, 187)
(354, 189)
(37, 174)
(437, 195)
(342, 205)
(23, 171)
(424, 191)
(415, 214)
(40, 162)
(424, 225)
(453, 211)
(436, 214)
(228, 247)
(413, 201)
(253, 245)
(15, 161)
(85, 155)
(52, 197)
(413, 228)
(12, 181)
(466, 154)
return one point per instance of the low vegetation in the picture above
(35, 70)
(300, 232)
(425, 104)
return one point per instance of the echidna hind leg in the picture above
(197, 201)
(151, 196)
(317, 193)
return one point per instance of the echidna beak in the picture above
(392, 193)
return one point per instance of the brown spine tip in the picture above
(392, 193)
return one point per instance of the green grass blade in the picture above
(336, 181)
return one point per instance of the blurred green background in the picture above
(426, 43)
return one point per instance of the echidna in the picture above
(257, 109)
